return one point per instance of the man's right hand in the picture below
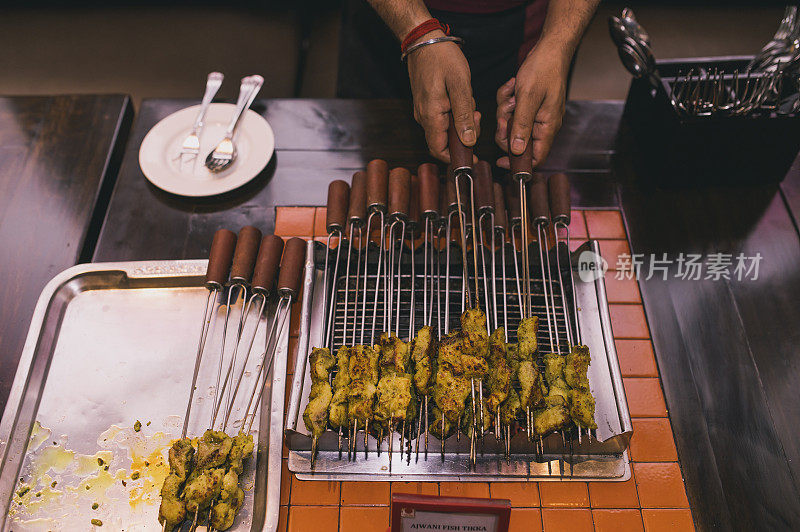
(440, 83)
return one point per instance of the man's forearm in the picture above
(565, 23)
(401, 15)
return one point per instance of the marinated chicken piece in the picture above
(172, 511)
(337, 412)
(498, 381)
(450, 393)
(360, 397)
(455, 356)
(473, 329)
(557, 394)
(435, 426)
(511, 408)
(550, 419)
(321, 362)
(202, 489)
(526, 338)
(363, 364)
(513, 361)
(224, 513)
(395, 399)
(315, 415)
(180, 458)
(241, 450)
(423, 355)
(576, 367)
(394, 354)
(581, 408)
(212, 449)
(553, 367)
(342, 378)
(532, 389)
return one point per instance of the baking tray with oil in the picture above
(111, 345)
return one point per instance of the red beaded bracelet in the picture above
(426, 27)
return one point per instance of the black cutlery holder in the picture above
(669, 148)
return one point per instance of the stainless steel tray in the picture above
(110, 344)
(605, 458)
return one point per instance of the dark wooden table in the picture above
(727, 350)
(59, 157)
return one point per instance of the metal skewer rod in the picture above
(452, 210)
(335, 220)
(220, 259)
(522, 172)
(501, 229)
(540, 213)
(560, 209)
(377, 180)
(485, 203)
(265, 271)
(461, 162)
(355, 220)
(429, 207)
(244, 258)
(399, 199)
(413, 232)
(558, 188)
(515, 215)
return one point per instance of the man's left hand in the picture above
(536, 99)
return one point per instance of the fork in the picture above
(225, 153)
(191, 144)
(779, 41)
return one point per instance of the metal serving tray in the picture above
(604, 458)
(111, 344)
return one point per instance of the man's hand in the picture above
(536, 98)
(440, 83)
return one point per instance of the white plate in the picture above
(158, 155)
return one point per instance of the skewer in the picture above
(515, 216)
(501, 229)
(429, 207)
(244, 258)
(522, 172)
(540, 210)
(220, 258)
(413, 231)
(485, 202)
(560, 210)
(461, 163)
(377, 180)
(335, 219)
(265, 271)
(356, 216)
(399, 199)
(289, 281)
(452, 210)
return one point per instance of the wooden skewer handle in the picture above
(267, 263)
(220, 258)
(291, 273)
(244, 255)
(428, 189)
(338, 201)
(377, 181)
(357, 212)
(559, 189)
(399, 192)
